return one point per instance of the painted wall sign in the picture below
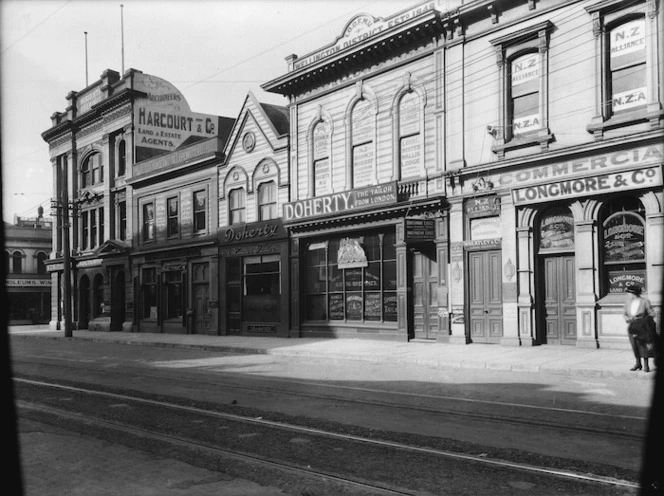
(360, 28)
(482, 244)
(623, 235)
(163, 118)
(261, 329)
(95, 262)
(624, 159)
(348, 201)
(25, 283)
(85, 101)
(642, 178)
(419, 230)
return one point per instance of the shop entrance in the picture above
(557, 303)
(485, 296)
(118, 301)
(424, 271)
(83, 302)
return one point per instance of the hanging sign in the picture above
(419, 230)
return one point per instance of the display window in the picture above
(351, 278)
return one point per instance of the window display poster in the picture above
(557, 232)
(623, 238)
(372, 306)
(620, 280)
(354, 306)
(336, 308)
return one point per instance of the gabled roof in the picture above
(279, 117)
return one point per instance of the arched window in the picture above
(321, 155)
(362, 146)
(410, 152)
(237, 206)
(524, 95)
(122, 157)
(623, 249)
(267, 201)
(626, 78)
(41, 267)
(7, 262)
(92, 171)
(97, 296)
(17, 262)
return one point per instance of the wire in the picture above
(35, 27)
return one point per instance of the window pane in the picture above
(372, 276)
(372, 306)
(354, 306)
(628, 44)
(315, 305)
(390, 275)
(390, 307)
(525, 74)
(353, 279)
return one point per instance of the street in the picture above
(563, 423)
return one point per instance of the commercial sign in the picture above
(641, 178)
(419, 230)
(24, 283)
(624, 239)
(163, 118)
(177, 158)
(360, 28)
(348, 201)
(624, 159)
(620, 280)
(557, 232)
(484, 206)
(254, 232)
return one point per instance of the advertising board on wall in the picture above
(164, 120)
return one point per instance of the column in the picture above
(404, 295)
(458, 333)
(585, 241)
(509, 259)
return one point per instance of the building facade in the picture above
(120, 135)
(490, 174)
(253, 245)
(27, 248)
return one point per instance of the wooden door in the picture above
(201, 296)
(558, 305)
(118, 301)
(485, 296)
(425, 296)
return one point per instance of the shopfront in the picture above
(254, 279)
(29, 299)
(174, 290)
(567, 237)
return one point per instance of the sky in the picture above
(213, 51)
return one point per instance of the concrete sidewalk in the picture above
(562, 360)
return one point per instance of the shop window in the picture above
(122, 157)
(149, 293)
(322, 172)
(17, 262)
(261, 288)
(362, 144)
(97, 296)
(352, 279)
(556, 230)
(267, 201)
(174, 295)
(200, 211)
(92, 170)
(122, 217)
(173, 219)
(41, 266)
(85, 230)
(623, 249)
(148, 222)
(410, 143)
(237, 200)
(523, 70)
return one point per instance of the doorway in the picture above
(485, 296)
(83, 303)
(118, 301)
(424, 272)
(557, 301)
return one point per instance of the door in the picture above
(425, 295)
(83, 302)
(558, 307)
(118, 301)
(485, 296)
(201, 318)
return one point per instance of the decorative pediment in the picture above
(111, 247)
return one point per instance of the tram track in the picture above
(272, 426)
(578, 421)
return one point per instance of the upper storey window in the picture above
(237, 200)
(322, 171)
(122, 158)
(627, 66)
(410, 145)
(267, 201)
(362, 144)
(92, 170)
(626, 76)
(524, 94)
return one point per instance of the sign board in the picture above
(164, 120)
(419, 230)
(586, 186)
(254, 232)
(25, 283)
(339, 203)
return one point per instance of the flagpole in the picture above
(122, 35)
(86, 58)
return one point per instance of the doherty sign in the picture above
(344, 202)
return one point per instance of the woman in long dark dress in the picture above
(640, 318)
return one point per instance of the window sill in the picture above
(541, 138)
(599, 126)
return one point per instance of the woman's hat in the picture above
(634, 290)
